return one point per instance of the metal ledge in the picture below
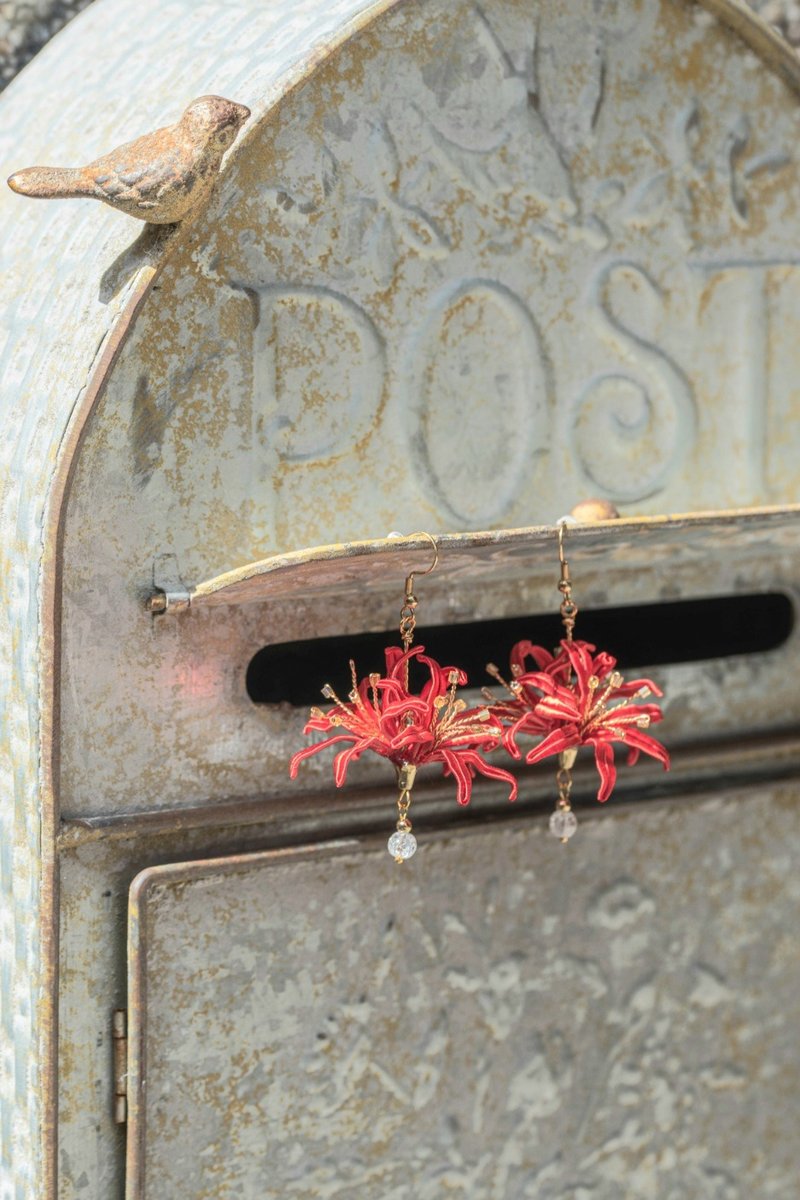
(352, 566)
(697, 768)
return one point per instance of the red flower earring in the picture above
(382, 714)
(574, 697)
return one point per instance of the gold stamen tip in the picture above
(594, 683)
(614, 679)
(373, 679)
(484, 715)
(643, 692)
(334, 720)
(487, 695)
(453, 678)
(316, 713)
(439, 701)
(353, 697)
(516, 670)
(492, 670)
(643, 721)
(515, 687)
(328, 692)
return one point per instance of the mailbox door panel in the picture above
(501, 1017)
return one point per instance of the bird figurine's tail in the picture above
(46, 182)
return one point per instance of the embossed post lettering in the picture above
(633, 425)
(318, 371)
(479, 400)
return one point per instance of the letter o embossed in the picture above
(480, 401)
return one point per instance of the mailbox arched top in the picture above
(58, 367)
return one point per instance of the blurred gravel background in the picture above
(25, 26)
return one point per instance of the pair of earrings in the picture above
(569, 698)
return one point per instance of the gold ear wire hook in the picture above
(428, 570)
(569, 609)
(562, 525)
(408, 618)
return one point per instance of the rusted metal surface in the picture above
(619, 1020)
(429, 191)
(385, 249)
(66, 330)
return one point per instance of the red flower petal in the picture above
(344, 758)
(297, 758)
(493, 772)
(524, 650)
(638, 742)
(604, 758)
(455, 766)
(554, 743)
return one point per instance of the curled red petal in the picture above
(630, 687)
(440, 678)
(554, 743)
(604, 663)
(307, 751)
(493, 772)
(638, 742)
(412, 736)
(525, 650)
(455, 765)
(604, 759)
(345, 757)
(320, 724)
(560, 707)
(527, 723)
(408, 706)
(543, 681)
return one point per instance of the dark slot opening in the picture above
(648, 635)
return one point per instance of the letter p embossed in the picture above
(318, 372)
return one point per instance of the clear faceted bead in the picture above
(563, 823)
(402, 844)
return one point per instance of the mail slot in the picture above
(467, 266)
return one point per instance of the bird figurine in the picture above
(161, 177)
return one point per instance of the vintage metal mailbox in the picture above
(467, 265)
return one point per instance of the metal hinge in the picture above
(119, 1037)
(170, 593)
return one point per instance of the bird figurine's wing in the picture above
(139, 186)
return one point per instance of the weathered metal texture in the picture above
(618, 1019)
(204, 653)
(464, 203)
(61, 326)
